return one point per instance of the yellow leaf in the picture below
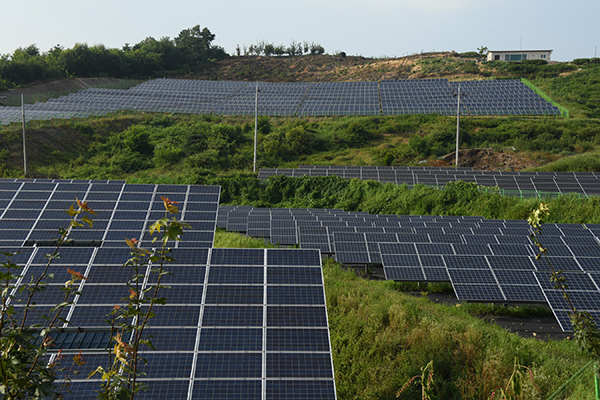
(99, 370)
(71, 211)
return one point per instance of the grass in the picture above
(228, 240)
(587, 162)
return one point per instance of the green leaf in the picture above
(158, 225)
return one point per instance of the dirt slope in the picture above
(487, 160)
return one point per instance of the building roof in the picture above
(519, 51)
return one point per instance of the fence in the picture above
(563, 110)
(584, 385)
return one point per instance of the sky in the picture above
(369, 28)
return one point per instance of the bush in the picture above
(166, 155)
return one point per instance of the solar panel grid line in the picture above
(76, 298)
(19, 281)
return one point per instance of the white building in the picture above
(518, 55)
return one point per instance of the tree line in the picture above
(151, 57)
(189, 51)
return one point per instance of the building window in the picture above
(497, 57)
(516, 57)
(543, 56)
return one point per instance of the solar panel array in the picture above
(523, 182)
(485, 260)
(32, 211)
(505, 97)
(238, 323)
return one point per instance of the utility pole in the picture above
(457, 122)
(255, 125)
(24, 148)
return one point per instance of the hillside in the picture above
(332, 68)
(74, 148)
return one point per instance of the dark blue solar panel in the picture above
(296, 316)
(299, 365)
(227, 315)
(434, 248)
(436, 274)
(397, 248)
(474, 276)
(471, 249)
(229, 365)
(523, 293)
(465, 261)
(515, 277)
(298, 340)
(173, 316)
(470, 292)
(183, 339)
(294, 275)
(511, 262)
(404, 273)
(432, 260)
(287, 295)
(166, 365)
(230, 339)
(236, 275)
(234, 294)
(293, 257)
(227, 389)
(237, 257)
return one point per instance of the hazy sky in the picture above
(371, 28)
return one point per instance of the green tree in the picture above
(196, 45)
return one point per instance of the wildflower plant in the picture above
(520, 385)
(24, 369)
(128, 321)
(425, 380)
(585, 330)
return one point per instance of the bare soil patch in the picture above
(487, 160)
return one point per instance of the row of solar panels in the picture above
(538, 183)
(32, 212)
(238, 323)
(292, 99)
(485, 260)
